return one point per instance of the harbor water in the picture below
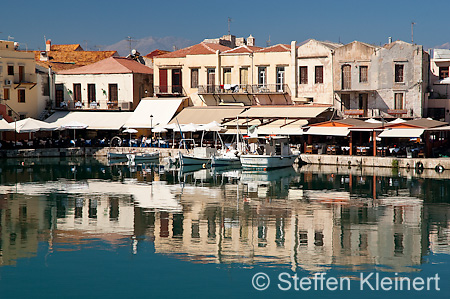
(84, 228)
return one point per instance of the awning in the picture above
(283, 127)
(205, 115)
(5, 126)
(328, 131)
(95, 120)
(153, 112)
(401, 133)
(284, 112)
(444, 128)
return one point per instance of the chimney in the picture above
(48, 45)
(389, 40)
(250, 41)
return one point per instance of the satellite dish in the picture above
(133, 52)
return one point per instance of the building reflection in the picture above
(311, 219)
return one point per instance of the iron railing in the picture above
(170, 90)
(244, 89)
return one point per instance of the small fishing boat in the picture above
(121, 156)
(229, 158)
(200, 156)
(141, 157)
(273, 152)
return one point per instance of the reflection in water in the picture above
(311, 219)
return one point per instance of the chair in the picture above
(309, 149)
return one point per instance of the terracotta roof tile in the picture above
(243, 49)
(73, 47)
(276, 48)
(156, 52)
(112, 65)
(198, 49)
(63, 60)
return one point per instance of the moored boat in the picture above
(273, 153)
(139, 157)
(229, 158)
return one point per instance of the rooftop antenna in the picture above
(229, 25)
(412, 32)
(268, 42)
(130, 40)
(85, 45)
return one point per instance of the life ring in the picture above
(439, 168)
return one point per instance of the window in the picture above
(6, 94)
(280, 79)
(262, 75)
(399, 73)
(363, 73)
(227, 76)
(77, 92)
(176, 81)
(91, 93)
(113, 93)
(21, 73)
(194, 78)
(21, 95)
(319, 74)
(243, 76)
(10, 70)
(303, 75)
(59, 94)
(443, 72)
(211, 80)
(346, 76)
(398, 101)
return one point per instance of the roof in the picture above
(156, 52)
(284, 111)
(425, 123)
(205, 115)
(441, 54)
(70, 47)
(328, 131)
(401, 133)
(95, 120)
(152, 112)
(283, 127)
(276, 48)
(64, 60)
(198, 49)
(111, 65)
(243, 49)
(348, 122)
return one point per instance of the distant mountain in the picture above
(443, 46)
(147, 44)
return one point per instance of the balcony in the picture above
(243, 89)
(169, 90)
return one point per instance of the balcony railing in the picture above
(244, 89)
(176, 90)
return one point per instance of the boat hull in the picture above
(265, 162)
(225, 161)
(191, 160)
(112, 156)
(143, 157)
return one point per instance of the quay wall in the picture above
(388, 162)
(83, 151)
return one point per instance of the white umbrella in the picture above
(73, 125)
(189, 128)
(172, 126)
(397, 121)
(373, 121)
(30, 125)
(5, 126)
(159, 130)
(131, 131)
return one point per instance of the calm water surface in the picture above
(82, 228)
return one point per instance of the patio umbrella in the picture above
(159, 130)
(131, 131)
(31, 125)
(73, 125)
(373, 121)
(189, 128)
(397, 121)
(5, 126)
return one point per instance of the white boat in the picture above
(273, 153)
(226, 160)
(200, 156)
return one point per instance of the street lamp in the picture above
(151, 125)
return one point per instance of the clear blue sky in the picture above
(107, 22)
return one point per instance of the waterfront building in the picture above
(439, 100)
(115, 83)
(23, 86)
(387, 81)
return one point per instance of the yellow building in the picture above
(18, 80)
